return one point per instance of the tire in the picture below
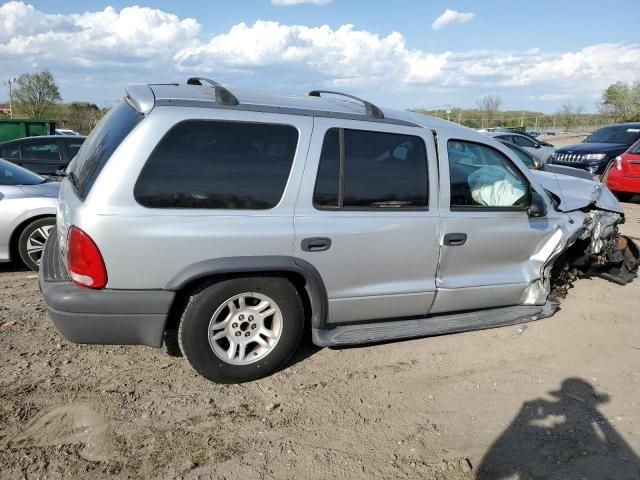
(624, 196)
(32, 239)
(208, 310)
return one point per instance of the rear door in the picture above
(44, 157)
(366, 217)
(492, 252)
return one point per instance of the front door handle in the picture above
(455, 239)
(316, 244)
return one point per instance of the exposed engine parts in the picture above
(600, 251)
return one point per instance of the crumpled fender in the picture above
(578, 193)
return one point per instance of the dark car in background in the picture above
(45, 155)
(598, 150)
(534, 164)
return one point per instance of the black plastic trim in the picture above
(256, 264)
(110, 329)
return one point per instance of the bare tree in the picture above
(568, 114)
(83, 116)
(35, 93)
(489, 106)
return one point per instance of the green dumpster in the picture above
(11, 128)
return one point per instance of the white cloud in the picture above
(93, 38)
(94, 52)
(451, 16)
(289, 3)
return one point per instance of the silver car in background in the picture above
(28, 204)
(537, 149)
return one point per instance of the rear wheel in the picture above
(241, 329)
(624, 196)
(32, 239)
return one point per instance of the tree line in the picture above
(36, 95)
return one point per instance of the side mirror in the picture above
(538, 207)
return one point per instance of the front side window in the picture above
(371, 170)
(482, 177)
(40, 151)
(218, 165)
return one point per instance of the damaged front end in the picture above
(596, 248)
(599, 250)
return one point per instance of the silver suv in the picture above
(237, 219)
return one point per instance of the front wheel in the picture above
(32, 239)
(241, 329)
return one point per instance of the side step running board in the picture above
(426, 326)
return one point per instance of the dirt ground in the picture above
(557, 398)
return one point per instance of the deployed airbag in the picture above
(492, 186)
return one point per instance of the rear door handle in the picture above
(455, 239)
(316, 244)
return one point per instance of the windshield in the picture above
(616, 134)
(11, 174)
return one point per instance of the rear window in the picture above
(100, 145)
(218, 165)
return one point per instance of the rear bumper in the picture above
(117, 317)
(618, 183)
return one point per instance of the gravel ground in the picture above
(557, 398)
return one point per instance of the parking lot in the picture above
(556, 398)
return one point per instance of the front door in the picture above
(492, 251)
(366, 218)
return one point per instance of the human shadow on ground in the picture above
(566, 438)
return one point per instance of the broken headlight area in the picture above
(599, 250)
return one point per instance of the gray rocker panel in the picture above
(428, 326)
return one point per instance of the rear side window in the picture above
(218, 165)
(100, 145)
(362, 169)
(45, 152)
(73, 148)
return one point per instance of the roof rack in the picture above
(370, 108)
(223, 96)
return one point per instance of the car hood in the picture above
(612, 148)
(578, 193)
(46, 189)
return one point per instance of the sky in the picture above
(406, 53)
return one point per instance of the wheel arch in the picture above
(304, 276)
(19, 228)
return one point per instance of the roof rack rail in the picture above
(223, 96)
(370, 108)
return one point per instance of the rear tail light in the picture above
(618, 162)
(84, 260)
